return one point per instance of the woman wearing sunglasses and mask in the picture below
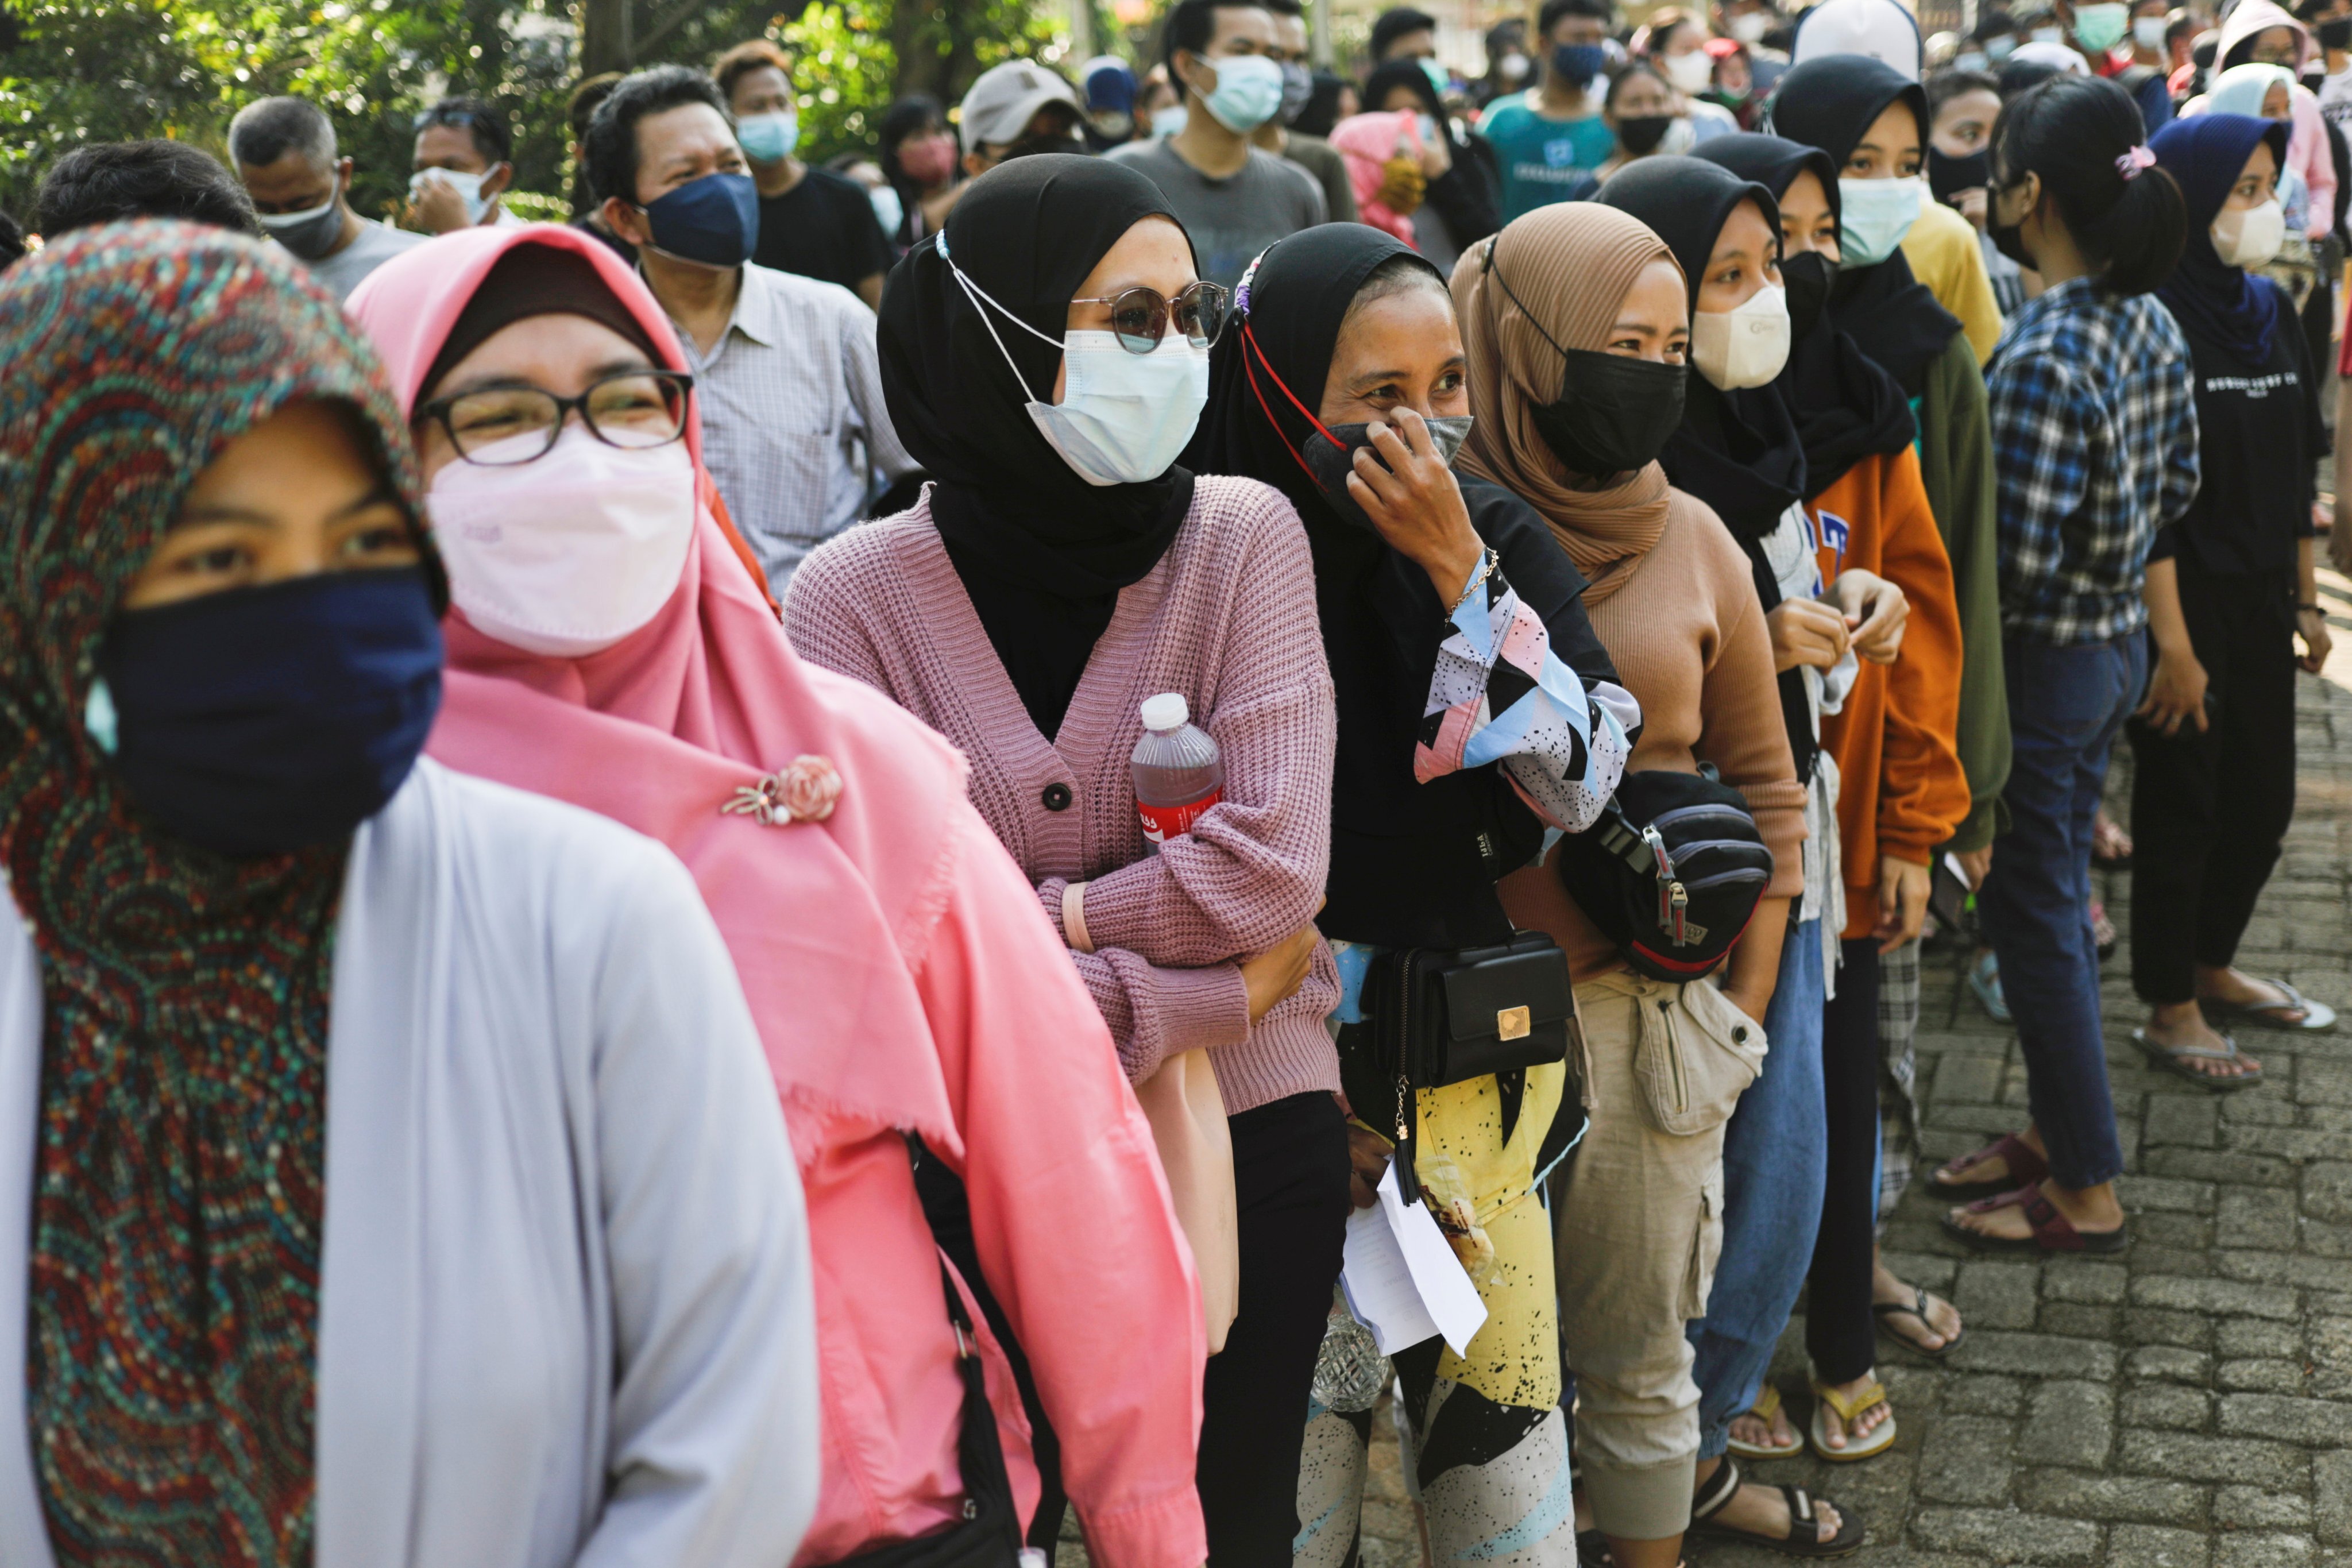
(609, 648)
(1576, 321)
(1047, 359)
(409, 1190)
(1343, 384)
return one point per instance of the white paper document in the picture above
(1402, 1279)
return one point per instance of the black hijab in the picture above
(1407, 862)
(1738, 451)
(1830, 103)
(1845, 404)
(1042, 554)
(2227, 305)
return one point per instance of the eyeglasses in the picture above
(463, 118)
(1140, 316)
(499, 427)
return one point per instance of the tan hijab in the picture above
(1570, 263)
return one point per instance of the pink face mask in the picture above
(927, 160)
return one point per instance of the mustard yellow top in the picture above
(1942, 250)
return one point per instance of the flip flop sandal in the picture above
(2025, 1168)
(1984, 982)
(1804, 1540)
(1767, 1405)
(1881, 1437)
(2317, 1016)
(2175, 1059)
(2103, 931)
(1916, 1308)
(2104, 835)
(2053, 1231)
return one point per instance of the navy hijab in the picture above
(2225, 305)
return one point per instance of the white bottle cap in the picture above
(1169, 711)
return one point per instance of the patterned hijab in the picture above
(1570, 263)
(176, 1222)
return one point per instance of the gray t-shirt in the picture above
(374, 245)
(1230, 220)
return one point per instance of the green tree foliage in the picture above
(73, 72)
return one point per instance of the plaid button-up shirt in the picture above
(2093, 416)
(794, 431)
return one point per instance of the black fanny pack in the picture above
(1671, 873)
(1440, 1016)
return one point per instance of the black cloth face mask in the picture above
(1642, 133)
(1807, 276)
(1333, 459)
(1613, 414)
(1948, 175)
(2009, 238)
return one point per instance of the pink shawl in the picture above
(1367, 142)
(825, 920)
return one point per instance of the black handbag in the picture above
(1441, 1015)
(1671, 873)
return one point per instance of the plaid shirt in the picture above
(2093, 419)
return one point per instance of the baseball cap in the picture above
(998, 107)
(1879, 29)
(1110, 84)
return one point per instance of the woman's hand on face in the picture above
(1874, 610)
(1971, 206)
(1806, 632)
(1415, 504)
(2175, 692)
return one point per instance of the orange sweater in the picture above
(1901, 790)
(1687, 635)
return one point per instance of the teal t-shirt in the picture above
(1542, 159)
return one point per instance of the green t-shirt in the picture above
(1543, 159)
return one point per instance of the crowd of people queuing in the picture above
(646, 712)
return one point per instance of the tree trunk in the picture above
(605, 43)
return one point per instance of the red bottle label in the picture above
(1163, 823)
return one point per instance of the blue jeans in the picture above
(1775, 1160)
(2065, 708)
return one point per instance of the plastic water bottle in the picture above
(1177, 772)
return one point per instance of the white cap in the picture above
(1001, 103)
(1882, 29)
(1169, 711)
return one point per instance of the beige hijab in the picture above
(1570, 263)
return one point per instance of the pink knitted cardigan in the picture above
(1227, 617)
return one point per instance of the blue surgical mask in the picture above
(468, 187)
(890, 211)
(769, 138)
(1249, 91)
(2000, 46)
(2100, 28)
(1577, 64)
(1167, 120)
(1124, 418)
(1874, 215)
(1972, 61)
(712, 222)
(261, 721)
(1439, 82)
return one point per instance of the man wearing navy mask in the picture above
(1551, 136)
(794, 431)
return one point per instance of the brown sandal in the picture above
(2053, 1231)
(2025, 1169)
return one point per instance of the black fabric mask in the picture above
(1642, 133)
(1332, 464)
(1948, 175)
(2008, 237)
(2336, 33)
(1807, 277)
(1613, 414)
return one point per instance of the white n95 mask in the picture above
(2250, 236)
(1745, 347)
(566, 555)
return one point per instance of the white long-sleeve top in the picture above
(564, 1300)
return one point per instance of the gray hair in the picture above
(265, 131)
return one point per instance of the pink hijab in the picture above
(824, 919)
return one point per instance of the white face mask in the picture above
(2147, 32)
(2250, 236)
(1123, 418)
(569, 554)
(467, 186)
(1689, 73)
(889, 210)
(1749, 27)
(1745, 347)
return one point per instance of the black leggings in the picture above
(1290, 1186)
(2210, 809)
(1840, 1331)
